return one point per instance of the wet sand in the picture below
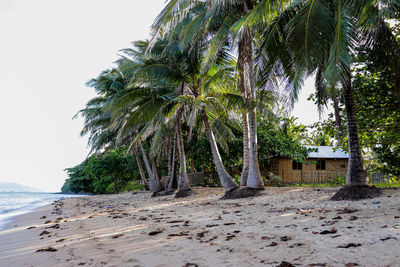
(297, 226)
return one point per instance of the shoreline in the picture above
(17, 244)
(6, 219)
(297, 225)
(25, 218)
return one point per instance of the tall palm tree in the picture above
(98, 118)
(185, 66)
(207, 99)
(219, 21)
(141, 170)
(153, 100)
(322, 37)
(166, 110)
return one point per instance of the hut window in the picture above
(297, 165)
(343, 166)
(321, 164)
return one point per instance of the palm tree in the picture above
(183, 180)
(222, 20)
(98, 118)
(185, 66)
(153, 101)
(167, 111)
(207, 98)
(171, 155)
(141, 170)
(322, 37)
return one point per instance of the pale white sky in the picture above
(49, 49)
(305, 110)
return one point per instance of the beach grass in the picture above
(392, 184)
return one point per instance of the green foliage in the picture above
(308, 185)
(237, 178)
(78, 182)
(322, 133)
(275, 180)
(132, 186)
(198, 150)
(391, 184)
(377, 102)
(378, 118)
(277, 139)
(110, 188)
(65, 188)
(338, 180)
(106, 173)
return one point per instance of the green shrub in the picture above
(338, 180)
(110, 189)
(132, 186)
(102, 184)
(275, 180)
(237, 178)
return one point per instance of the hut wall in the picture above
(309, 172)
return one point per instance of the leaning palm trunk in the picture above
(355, 172)
(155, 175)
(153, 183)
(226, 180)
(141, 170)
(246, 70)
(183, 180)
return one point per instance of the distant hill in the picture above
(14, 187)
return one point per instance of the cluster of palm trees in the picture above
(208, 61)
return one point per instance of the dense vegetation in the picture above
(117, 171)
(206, 91)
(110, 172)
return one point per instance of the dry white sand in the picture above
(296, 225)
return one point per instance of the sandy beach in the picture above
(282, 227)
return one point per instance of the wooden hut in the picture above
(320, 166)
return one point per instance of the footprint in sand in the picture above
(110, 251)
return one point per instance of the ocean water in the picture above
(13, 204)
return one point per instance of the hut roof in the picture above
(328, 152)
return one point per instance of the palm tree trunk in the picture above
(226, 180)
(246, 150)
(246, 70)
(355, 172)
(172, 183)
(338, 119)
(245, 118)
(169, 157)
(141, 170)
(153, 184)
(115, 185)
(183, 181)
(155, 175)
(254, 180)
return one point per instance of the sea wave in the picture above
(14, 203)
